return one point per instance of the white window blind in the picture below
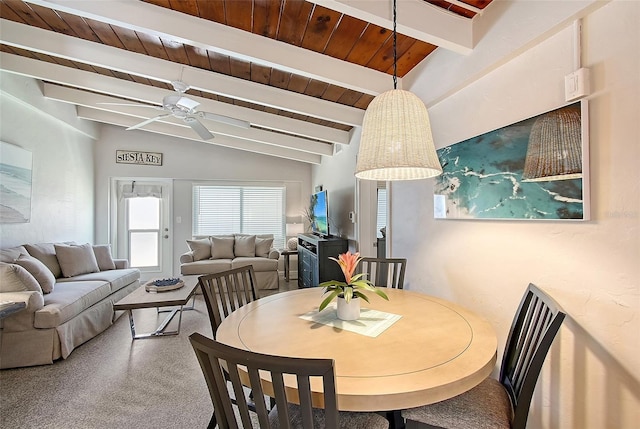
(381, 218)
(239, 209)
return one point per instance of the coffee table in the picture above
(140, 298)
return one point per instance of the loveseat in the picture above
(69, 291)
(217, 253)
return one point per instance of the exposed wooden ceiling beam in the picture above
(260, 119)
(415, 18)
(162, 22)
(55, 44)
(187, 133)
(95, 101)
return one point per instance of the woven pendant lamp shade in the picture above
(396, 142)
(555, 147)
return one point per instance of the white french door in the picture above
(142, 226)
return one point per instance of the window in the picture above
(221, 210)
(381, 218)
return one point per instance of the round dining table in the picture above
(427, 350)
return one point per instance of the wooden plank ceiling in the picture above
(300, 72)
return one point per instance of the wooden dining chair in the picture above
(384, 272)
(244, 369)
(502, 403)
(227, 291)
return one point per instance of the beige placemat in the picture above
(371, 322)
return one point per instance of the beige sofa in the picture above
(217, 253)
(69, 291)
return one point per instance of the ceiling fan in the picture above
(182, 107)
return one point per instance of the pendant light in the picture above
(396, 141)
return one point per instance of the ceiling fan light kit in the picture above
(187, 103)
(396, 141)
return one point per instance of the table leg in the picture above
(395, 419)
(286, 267)
(160, 331)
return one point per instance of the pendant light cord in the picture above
(395, 47)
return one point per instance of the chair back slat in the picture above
(238, 392)
(384, 272)
(525, 348)
(304, 399)
(280, 394)
(261, 409)
(227, 291)
(214, 377)
(532, 332)
(243, 368)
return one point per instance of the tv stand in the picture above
(314, 265)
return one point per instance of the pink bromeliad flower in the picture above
(348, 263)
(353, 285)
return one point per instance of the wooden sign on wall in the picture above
(137, 157)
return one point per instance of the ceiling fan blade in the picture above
(224, 119)
(198, 128)
(148, 121)
(130, 104)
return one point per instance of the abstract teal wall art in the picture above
(535, 169)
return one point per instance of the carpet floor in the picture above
(114, 382)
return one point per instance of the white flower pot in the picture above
(348, 310)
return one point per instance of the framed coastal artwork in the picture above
(535, 169)
(15, 184)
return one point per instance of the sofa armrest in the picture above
(186, 257)
(121, 264)
(33, 300)
(274, 254)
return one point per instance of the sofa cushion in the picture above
(259, 264)
(200, 248)
(116, 278)
(263, 246)
(38, 270)
(45, 253)
(102, 252)
(222, 247)
(10, 254)
(14, 278)
(210, 266)
(69, 300)
(76, 259)
(245, 245)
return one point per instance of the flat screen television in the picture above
(320, 209)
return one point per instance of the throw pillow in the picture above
(222, 247)
(201, 248)
(38, 270)
(263, 246)
(45, 253)
(245, 245)
(17, 279)
(76, 260)
(11, 254)
(102, 252)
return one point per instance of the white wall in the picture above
(185, 162)
(335, 174)
(62, 200)
(590, 379)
